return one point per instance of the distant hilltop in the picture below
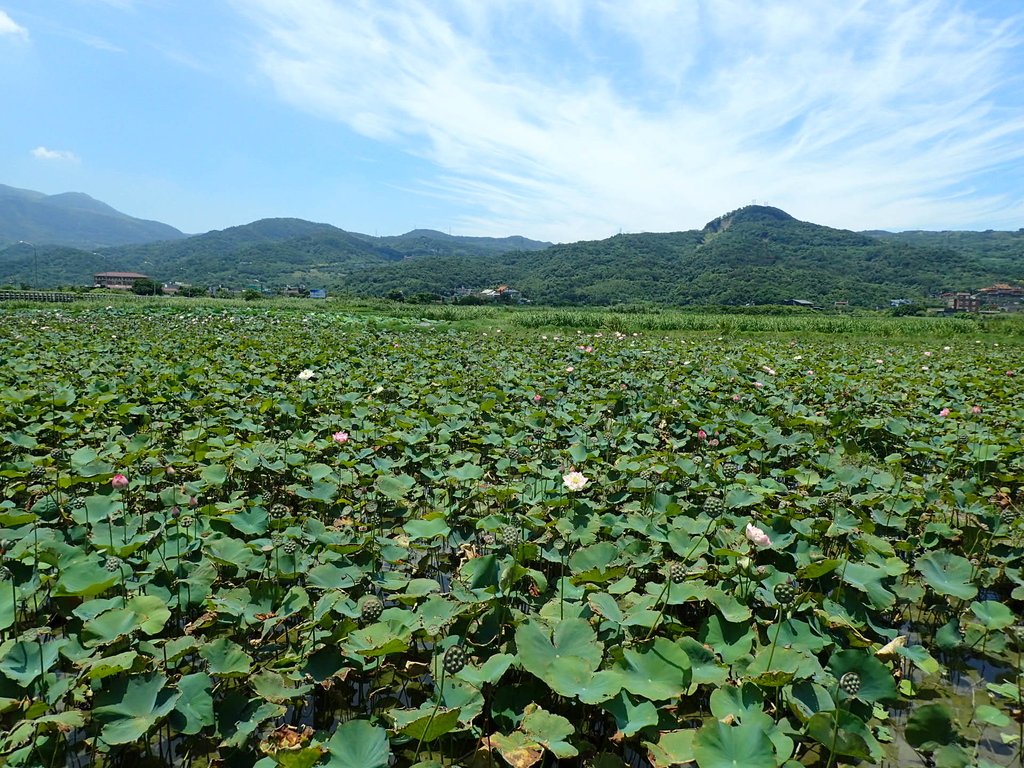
(753, 255)
(72, 219)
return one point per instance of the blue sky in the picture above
(555, 119)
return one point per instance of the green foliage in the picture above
(350, 538)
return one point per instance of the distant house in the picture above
(961, 301)
(894, 303)
(1001, 297)
(123, 281)
(318, 293)
(291, 290)
(802, 303)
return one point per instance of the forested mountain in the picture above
(72, 219)
(754, 255)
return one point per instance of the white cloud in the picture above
(9, 26)
(59, 155)
(574, 119)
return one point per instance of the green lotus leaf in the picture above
(631, 717)
(876, 681)
(129, 708)
(672, 748)
(567, 660)
(427, 528)
(717, 745)
(488, 672)
(663, 671)
(948, 574)
(358, 744)
(108, 627)
(193, 710)
(463, 696)
(730, 701)
(226, 658)
(596, 557)
(604, 605)
(24, 661)
(150, 611)
(85, 577)
(274, 687)
(549, 730)
(868, 579)
(99, 667)
(730, 640)
(328, 576)
(425, 723)
(930, 726)
(993, 615)
(850, 737)
(396, 487)
(380, 639)
(807, 699)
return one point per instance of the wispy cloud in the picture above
(575, 118)
(54, 155)
(10, 28)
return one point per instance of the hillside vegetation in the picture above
(755, 255)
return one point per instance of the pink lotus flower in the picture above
(944, 412)
(569, 369)
(340, 437)
(702, 435)
(537, 398)
(757, 537)
(975, 409)
(119, 482)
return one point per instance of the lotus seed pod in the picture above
(785, 593)
(187, 521)
(647, 475)
(58, 454)
(370, 609)
(730, 470)
(714, 506)
(76, 503)
(454, 660)
(850, 682)
(677, 573)
(684, 482)
(279, 510)
(112, 564)
(291, 547)
(1008, 515)
(37, 473)
(146, 467)
(510, 535)
(514, 454)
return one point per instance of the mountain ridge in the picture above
(751, 255)
(72, 219)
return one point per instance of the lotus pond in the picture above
(250, 537)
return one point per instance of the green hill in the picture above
(754, 255)
(72, 219)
